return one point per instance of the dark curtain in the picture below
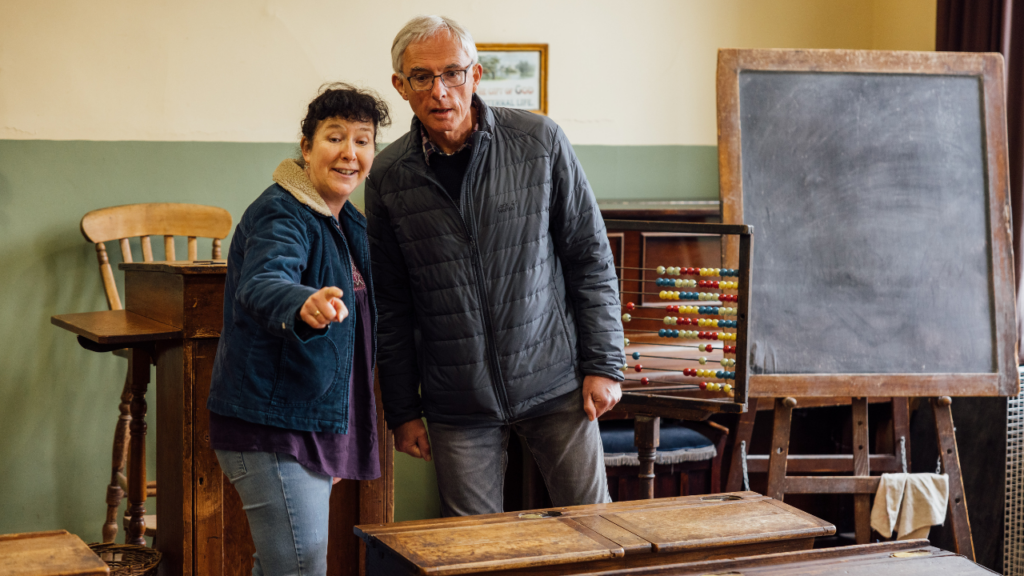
(983, 26)
(995, 26)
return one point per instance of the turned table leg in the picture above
(646, 437)
(114, 492)
(135, 529)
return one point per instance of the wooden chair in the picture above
(698, 475)
(121, 223)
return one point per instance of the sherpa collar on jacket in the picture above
(293, 178)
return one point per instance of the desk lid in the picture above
(120, 327)
(518, 540)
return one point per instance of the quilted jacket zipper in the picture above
(492, 349)
(493, 365)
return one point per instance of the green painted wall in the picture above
(58, 402)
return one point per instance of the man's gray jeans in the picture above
(471, 462)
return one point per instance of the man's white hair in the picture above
(423, 27)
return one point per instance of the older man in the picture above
(495, 285)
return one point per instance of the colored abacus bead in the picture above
(703, 385)
(630, 306)
(675, 333)
(729, 349)
(625, 341)
(703, 360)
(626, 317)
(638, 367)
(709, 348)
(726, 388)
(644, 381)
(662, 332)
(660, 269)
(636, 355)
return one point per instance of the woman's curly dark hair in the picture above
(340, 100)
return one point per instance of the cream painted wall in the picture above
(903, 25)
(637, 73)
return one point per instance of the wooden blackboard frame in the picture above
(988, 68)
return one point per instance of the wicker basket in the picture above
(127, 559)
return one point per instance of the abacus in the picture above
(686, 327)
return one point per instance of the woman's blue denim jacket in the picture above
(271, 367)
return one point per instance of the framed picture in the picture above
(515, 76)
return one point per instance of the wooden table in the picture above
(906, 558)
(55, 553)
(173, 317)
(578, 539)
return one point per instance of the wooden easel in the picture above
(778, 463)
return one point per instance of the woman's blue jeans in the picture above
(287, 506)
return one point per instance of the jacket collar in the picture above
(413, 157)
(293, 178)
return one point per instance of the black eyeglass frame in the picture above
(434, 77)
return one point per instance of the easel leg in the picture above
(777, 460)
(951, 464)
(861, 467)
(136, 529)
(744, 431)
(901, 429)
(646, 436)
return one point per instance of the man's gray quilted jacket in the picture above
(502, 302)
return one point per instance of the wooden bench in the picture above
(579, 539)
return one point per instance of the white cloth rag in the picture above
(910, 503)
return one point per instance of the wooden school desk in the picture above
(579, 539)
(172, 318)
(55, 553)
(906, 558)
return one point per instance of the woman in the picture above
(291, 396)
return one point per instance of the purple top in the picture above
(353, 455)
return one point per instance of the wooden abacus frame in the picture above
(669, 403)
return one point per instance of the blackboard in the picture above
(875, 183)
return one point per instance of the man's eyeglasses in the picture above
(450, 78)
